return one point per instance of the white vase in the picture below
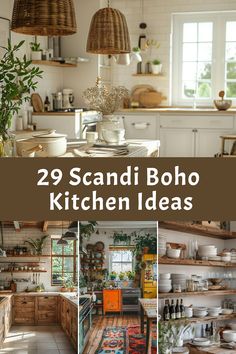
(36, 55)
(156, 69)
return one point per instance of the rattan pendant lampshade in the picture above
(44, 17)
(108, 33)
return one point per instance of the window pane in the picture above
(57, 264)
(190, 52)
(57, 279)
(190, 32)
(68, 277)
(189, 89)
(189, 71)
(69, 249)
(204, 71)
(231, 31)
(204, 51)
(56, 249)
(231, 70)
(126, 267)
(205, 31)
(68, 264)
(116, 267)
(231, 89)
(204, 90)
(231, 51)
(127, 256)
(116, 256)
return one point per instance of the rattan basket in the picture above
(108, 33)
(44, 17)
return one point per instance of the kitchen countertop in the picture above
(176, 110)
(210, 350)
(61, 114)
(71, 297)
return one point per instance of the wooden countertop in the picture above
(177, 110)
(210, 350)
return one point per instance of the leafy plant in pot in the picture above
(36, 52)
(17, 78)
(121, 238)
(86, 230)
(145, 244)
(156, 66)
(37, 244)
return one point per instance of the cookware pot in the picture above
(53, 144)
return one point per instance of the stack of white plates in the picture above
(226, 257)
(200, 312)
(165, 283)
(233, 257)
(179, 279)
(201, 342)
(207, 251)
(161, 245)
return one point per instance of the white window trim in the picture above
(219, 20)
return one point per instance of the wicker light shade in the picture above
(108, 33)
(44, 17)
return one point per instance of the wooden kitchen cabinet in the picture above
(46, 309)
(111, 300)
(69, 320)
(140, 126)
(24, 310)
(74, 326)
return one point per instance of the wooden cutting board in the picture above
(138, 89)
(150, 99)
(36, 102)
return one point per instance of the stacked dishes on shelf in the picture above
(173, 253)
(179, 279)
(207, 251)
(165, 283)
(200, 312)
(233, 256)
(161, 245)
(226, 257)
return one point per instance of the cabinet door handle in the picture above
(195, 130)
(45, 297)
(141, 125)
(24, 302)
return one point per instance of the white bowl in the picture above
(227, 311)
(229, 336)
(201, 342)
(114, 136)
(173, 253)
(188, 312)
(165, 282)
(206, 247)
(200, 311)
(164, 289)
(163, 276)
(213, 313)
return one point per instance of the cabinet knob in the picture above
(195, 130)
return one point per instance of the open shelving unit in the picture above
(149, 75)
(197, 293)
(193, 262)
(205, 319)
(53, 63)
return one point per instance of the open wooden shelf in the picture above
(159, 75)
(204, 319)
(26, 256)
(192, 262)
(53, 63)
(197, 293)
(200, 230)
(23, 271)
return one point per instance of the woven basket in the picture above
(44, 17)
(108, 33)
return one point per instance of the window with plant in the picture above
(64, 263)
(121, 261)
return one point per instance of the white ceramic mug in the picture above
(91, 137)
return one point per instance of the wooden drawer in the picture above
(140, 127)
(199, 121)
(24, 302)
(47, 303)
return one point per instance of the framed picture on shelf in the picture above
(4, 34)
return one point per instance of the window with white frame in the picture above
(121, 261)
(203, 57)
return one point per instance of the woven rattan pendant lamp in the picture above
(108, 33)
(44, 17)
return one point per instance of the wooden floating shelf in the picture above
(197, 293)
(53, 63)
(158, 75)
(204, 319)
(27, 256)
(191, 262)
(197, 230)
(23, 271)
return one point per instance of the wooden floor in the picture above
(101, 322)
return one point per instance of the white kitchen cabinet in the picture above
(140, 126)
(193, 136)
(177, 143)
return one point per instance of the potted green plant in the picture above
(119, 238)
(37, 244)
(17, 78)
(145, 244)
(36, 52)
(113, 275)
(121, 276)
(156, 66)
(86, 229)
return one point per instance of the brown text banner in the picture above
(118, 189)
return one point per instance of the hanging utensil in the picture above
(33, 279)
(143, 26)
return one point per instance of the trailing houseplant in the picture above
(121, 238)
(37, 244)
(86, 229)
(145, 244)
(17, 79)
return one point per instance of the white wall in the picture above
(12, 239)
(157, 15)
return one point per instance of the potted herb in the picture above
(17, 78)
(86, 229)
(36, 52)
(37, 244)
(113, 275)
(156, 66)
(121, 276)
(119, 238)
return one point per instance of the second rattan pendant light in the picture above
(44, 17)
(108, 33)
